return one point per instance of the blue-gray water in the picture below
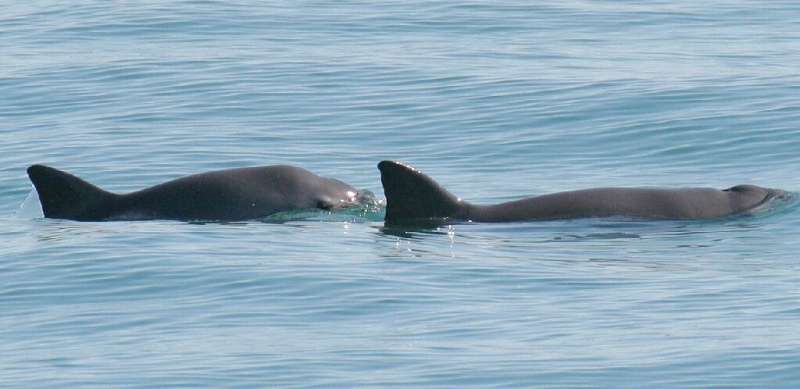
(496, 100)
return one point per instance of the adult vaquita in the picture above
(413, 197)
(224, 195)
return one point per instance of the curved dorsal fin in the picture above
(64, 196)
(412, 196)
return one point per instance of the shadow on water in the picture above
(416, 231)
(359, 214)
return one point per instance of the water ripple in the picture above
(495, 100)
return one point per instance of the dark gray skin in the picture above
(413, 197)
(225, 195)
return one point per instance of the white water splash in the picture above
(31, 208)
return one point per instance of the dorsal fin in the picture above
(64, 196)
(413, 197)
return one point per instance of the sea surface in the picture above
(496, 100)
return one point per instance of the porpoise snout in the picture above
(778, 194)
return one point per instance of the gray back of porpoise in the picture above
(225, 195)
(412, 196)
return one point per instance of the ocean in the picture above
(496, 100)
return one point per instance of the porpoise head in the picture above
(333, 194)
(749, 197)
